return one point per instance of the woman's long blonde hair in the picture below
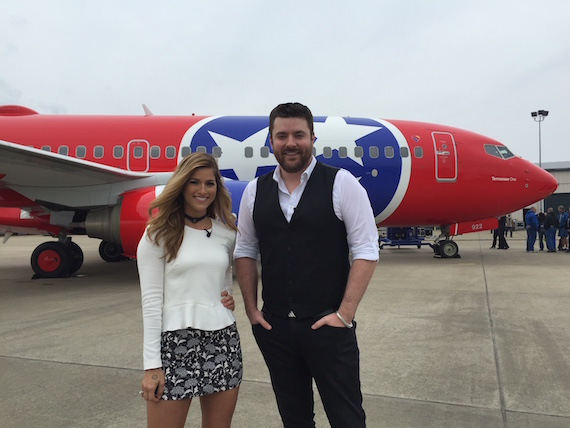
(167, 226)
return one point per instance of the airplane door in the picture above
(445, 156)
(137, 159)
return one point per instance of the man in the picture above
(541, 230)
(510, 226)
(562, 228)
(531, 221)
(304, 219)
(501, 233)
(550, 226)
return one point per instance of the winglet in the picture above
(147, 111)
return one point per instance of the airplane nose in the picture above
(541, 182)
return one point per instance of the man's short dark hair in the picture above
(291, 110)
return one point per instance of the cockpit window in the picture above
(492, 150)
(506, 153)
(498, 151)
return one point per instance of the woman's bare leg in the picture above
(218, 408)
(167, 413)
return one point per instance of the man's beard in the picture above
(300, 165)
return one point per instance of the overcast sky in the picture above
(479, 65)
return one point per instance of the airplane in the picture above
(65, 175)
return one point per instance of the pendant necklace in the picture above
(195, 220)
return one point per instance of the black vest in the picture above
(304, 262)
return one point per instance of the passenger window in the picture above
(418, 152)
(170, 152)
(201, 149)
(342, 152)
(46, 148)
(138, 152)
(327, 152)
(98, 152)
(314, 151)
(217, 151)
(154, 152)
(264, 152)
(80, 152)
(358, 152)
(373, 152)
(63, 150)
(248, 152)
(185, 151)
(404, 152)
(118, 152)
(388, 152)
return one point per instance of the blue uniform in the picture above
(531, 221)
(562, 222)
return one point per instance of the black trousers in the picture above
(295, 355)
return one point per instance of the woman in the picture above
(191, 344)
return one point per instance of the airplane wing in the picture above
(60, 182)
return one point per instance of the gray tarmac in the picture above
(478, 341)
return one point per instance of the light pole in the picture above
(539, 116)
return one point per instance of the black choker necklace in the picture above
(195, 219)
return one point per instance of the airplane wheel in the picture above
(77, 257)
(51, 260)
(111, 252)
(448, 249)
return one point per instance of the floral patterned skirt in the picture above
(198, 362)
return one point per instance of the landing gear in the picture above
(56, 259)
(111, 252)
(448, 249)
(64, 257)
(76, 255)
(444, 247)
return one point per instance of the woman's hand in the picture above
(228, 301)
(152, 384)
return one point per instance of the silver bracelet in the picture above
(346, 324)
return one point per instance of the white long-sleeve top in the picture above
(185, 292)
